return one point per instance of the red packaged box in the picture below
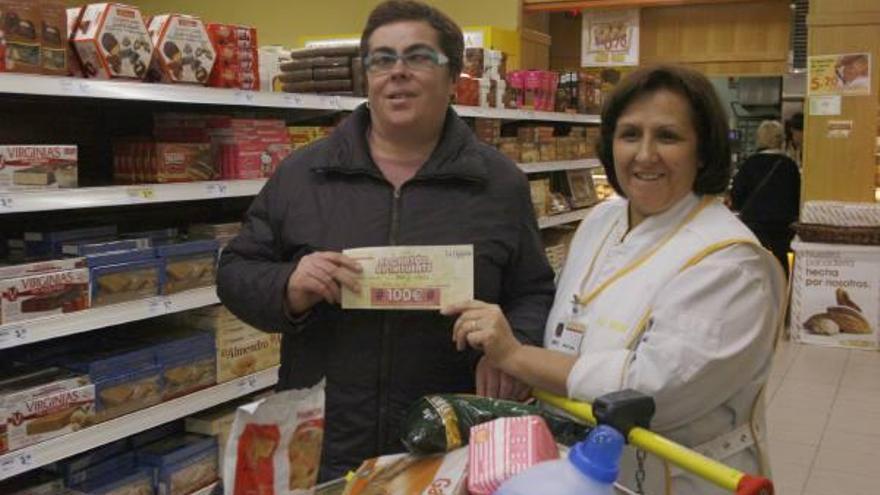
(467, 91)
(182, 162)
(54, 38)
(20, 22)
(73, 16)
(237, 64)
(502, 448)
(184, 52)
(112, 42)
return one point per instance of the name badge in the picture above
(567, 337)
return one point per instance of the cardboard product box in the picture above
(494, 65)
(511, 148)
(474, 58)
(35, 296)
(443, 474)
(54, 38)
(126, 281)
(37, 482)
(540, 193)
(836, 295)
(112, 42)
(184, 52)
(74, 14)
(188, 265)
(241, 349)
(183, 162)
(529, 152)
(130, 481)
(580, 184)
(70, 468)
(238, 58)
(467, 91)
(270, 59)
(20, 21)
(183, 464)
(40, 267)
(49, 243)
(38, 167)
(36, 405)
(547, 152)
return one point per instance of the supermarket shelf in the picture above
(537, 167)
(58, 448)
(28, 332)
(23, 84)
(93, 197)
(563, 218)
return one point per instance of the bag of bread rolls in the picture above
(274, 447)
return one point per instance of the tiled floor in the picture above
(824, 421)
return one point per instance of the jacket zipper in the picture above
(385, 360)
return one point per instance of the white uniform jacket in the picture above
(684, 308)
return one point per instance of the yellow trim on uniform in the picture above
(585, 300)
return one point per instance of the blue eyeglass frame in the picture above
(440, 59)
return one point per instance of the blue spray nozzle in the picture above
(598, 457)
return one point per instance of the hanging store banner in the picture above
(844, 74)
(610, 38)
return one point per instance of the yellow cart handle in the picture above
(708, 469)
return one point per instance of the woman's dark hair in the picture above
(709, 120)
(449, 35)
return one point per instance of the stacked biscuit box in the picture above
(35, 290)
(302, 136)
(221, 232)
(836, 287)
(184, 52)
(38, 167)
(143, 161)
(330, 69)
(39, 403)
(237, 64)
(482, 81)
(112, 41)
(241, 349)
(33, 37)
(182, 463)
(248, 148)
(538, 143)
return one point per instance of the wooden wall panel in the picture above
(843, 168)
(750, 38)
(534, 49)
(727, 39)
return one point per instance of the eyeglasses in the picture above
(421, 59)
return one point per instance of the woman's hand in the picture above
(321, 276)
(483, 327)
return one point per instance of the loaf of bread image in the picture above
(849, 320)
(245, 365)
(843, 299)
(822, 324)
(304, 456)
(51, 422)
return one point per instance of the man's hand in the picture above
(496, 384)
(321, 276)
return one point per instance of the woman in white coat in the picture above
(664, 291)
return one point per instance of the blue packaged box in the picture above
(188, 364)
(122, 462)
(84, 248)
(129, 281)
(153, 435)
(116, 258)
(125, 381)
(183, 463)
(188, 265)
(138, 480)
(68, 468)
(158, 236)
(49, 243)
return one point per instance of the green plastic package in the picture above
(442, 423)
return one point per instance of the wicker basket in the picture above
(832, 234)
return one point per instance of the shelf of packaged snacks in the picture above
(39, 85)
(563, 218)
(538, 167)
(93, 197)
(58, 448)
(28, 332)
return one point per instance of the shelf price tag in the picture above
(246, 97)
(13, 336)
(294, 99)
(7, 203)
(219, 189)
(15, 463)
(141, 194)
(247, 384)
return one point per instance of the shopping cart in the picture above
(628, 412)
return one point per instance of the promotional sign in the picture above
(610, 38)
(843, 74)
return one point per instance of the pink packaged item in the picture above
(505, 447)
(532, 94)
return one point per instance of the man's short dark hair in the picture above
(709, 121)
(449, 35)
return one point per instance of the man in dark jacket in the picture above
(351, 190)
